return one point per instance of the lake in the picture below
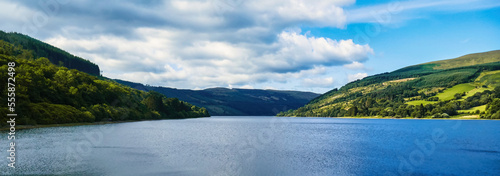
(261, 146)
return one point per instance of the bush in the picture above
(438, 115)
(433, 99)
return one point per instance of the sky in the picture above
(261, 44)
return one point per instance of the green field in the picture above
(483, 74)
(491, 78)
(418, 102)
(449, 94)
(474, 91)
(473, 110)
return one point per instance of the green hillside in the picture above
(235, 102)
(48, 94)
(37, 49)
(436, 89)
(468, 60)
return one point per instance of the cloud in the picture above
(177, 58)
(298, 52)
(246, 87)
(269, 88)
(319, 13)
(319, 82)
(198, 44)
(354, 77)
(355, 66)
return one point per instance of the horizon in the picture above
(249, 45)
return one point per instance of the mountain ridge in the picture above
(55, 55)
(221, 101)
(467, 60)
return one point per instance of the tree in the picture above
(493, 109)
(497, 92)
(353, 111)
(154, 101)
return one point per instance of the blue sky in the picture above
(281, 44)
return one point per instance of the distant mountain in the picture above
(235, 102)
(38, 49)
(466, 85)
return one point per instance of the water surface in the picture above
(261, 146)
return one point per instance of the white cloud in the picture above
(14, 12)
(354, 77)
(270, 88)
(320, 12)
(179, 59)
(246, 87)
(355, 66)
(296, 52)
(319, 82)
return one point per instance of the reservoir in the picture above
(261, 146)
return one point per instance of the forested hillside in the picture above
(37, 49)
(235, 102)
(48, 94)
(466, 85)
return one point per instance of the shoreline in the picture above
(23, 127)
(458, 117)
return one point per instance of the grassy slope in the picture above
(481, 108)
(429, 77)
(448, 94)
(467, 60)
(488, 79)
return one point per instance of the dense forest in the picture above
(37, 49)
(50, 94)
(468, 85)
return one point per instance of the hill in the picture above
(235, 102)
(43, 93)
(435, 89)
(37, 49)
(467, 60)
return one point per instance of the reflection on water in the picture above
(262, 146)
